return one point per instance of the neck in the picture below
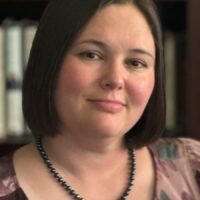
(69, 153)
(73, 193)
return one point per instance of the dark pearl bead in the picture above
(68, 188)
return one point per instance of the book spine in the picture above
(14, 74)
(2, 86)
(28, 35)
(170, 69)
(29, 31)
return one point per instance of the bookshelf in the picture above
(178, 16)
(174, 24)
(22, 11)
(193, 70)
(181, 16)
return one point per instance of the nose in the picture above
(112, 79)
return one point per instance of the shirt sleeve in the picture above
(192, 148)
(9, 188)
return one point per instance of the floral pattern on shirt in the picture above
(8, 182)
(177, 171)
(177, 162)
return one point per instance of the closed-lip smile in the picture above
(108, 105)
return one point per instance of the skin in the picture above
(107, 76)
(104, 85)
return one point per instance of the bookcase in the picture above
(15, 13)
(183, 15)
(180, 20)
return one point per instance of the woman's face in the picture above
(107, 76)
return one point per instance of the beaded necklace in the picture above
(65, 185)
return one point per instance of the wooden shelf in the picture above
(31, 10)
(177, 15)
(173, 15)
(8, 148)
(192, 80)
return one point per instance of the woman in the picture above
(93, 98)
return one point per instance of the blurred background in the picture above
(181, 31)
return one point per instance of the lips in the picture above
(107, 105)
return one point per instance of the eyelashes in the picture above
(91, 55)
(136, 63)
(97, 56)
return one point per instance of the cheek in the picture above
(141, 88)
(72, 79)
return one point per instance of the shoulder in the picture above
(181, 155)
(191, 149)
(177, 148)
(177, 164)
(8, 182)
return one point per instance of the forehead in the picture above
(124, 22)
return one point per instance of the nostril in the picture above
(111, 84)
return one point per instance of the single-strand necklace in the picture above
(66, 185)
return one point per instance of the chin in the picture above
(107, 130)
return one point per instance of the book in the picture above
(170, 77)
(14, 75)
(29, 31)
(2, 86)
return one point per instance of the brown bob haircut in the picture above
(60, 24)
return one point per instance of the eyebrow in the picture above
(105, 46)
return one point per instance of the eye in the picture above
(91, 55)
(136, 63)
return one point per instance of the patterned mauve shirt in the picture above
(177, 170)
